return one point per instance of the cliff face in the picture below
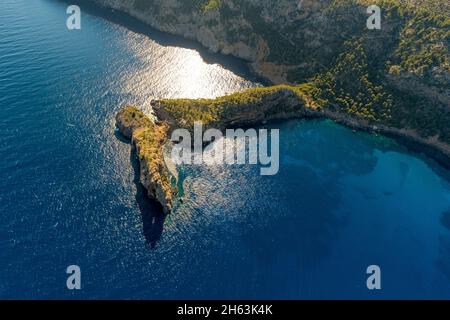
(248, 108)
(291, 40)
(212, 27)
(149, 139)
(267, 33)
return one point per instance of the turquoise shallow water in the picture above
(69, 193)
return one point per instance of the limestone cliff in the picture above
(248, 108)
(272, 34)
(149, 139)
(291, 40)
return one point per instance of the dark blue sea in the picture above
(70, 192)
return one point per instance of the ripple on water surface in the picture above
(70, 194)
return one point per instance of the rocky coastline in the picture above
(253, 107)
(320, 59)
(431, 147)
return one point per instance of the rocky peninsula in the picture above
(322, 60)
(252, 107)
(148, 139)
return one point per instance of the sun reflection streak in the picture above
(174, 72)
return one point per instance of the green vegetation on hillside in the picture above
(347, 87)
(216, 112)
(398, 76)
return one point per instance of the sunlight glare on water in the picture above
(176, 72)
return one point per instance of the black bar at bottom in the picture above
(225, 309)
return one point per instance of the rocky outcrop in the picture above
(393, 81)
(149, 139)
(252, 107)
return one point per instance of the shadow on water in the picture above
(151, 212)
(236, 65)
